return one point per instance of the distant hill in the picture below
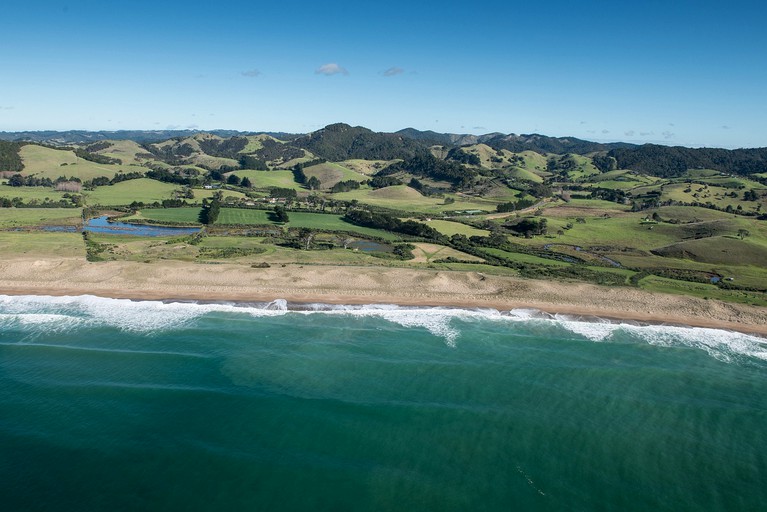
(544, 144)
(340, 141)
(445, 139)
(666, 161)
(140, 136)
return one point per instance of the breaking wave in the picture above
(56, 313)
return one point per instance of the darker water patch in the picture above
(368, 246)
(103, 225)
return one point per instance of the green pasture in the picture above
(124, 150)
(319, 221)
(28, 194)
(142, 190)
(52, 163)
(331, 173)
(366, 167)
(41, 243)
(707, 194)
(269, 179)
(32, 217)
(450, 228)
(402, 197)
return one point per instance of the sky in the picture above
(671, 72)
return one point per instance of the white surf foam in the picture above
(148, 316)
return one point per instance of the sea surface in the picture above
(118, 405)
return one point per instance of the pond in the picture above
(103, 225)
(368, 246)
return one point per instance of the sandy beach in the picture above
(365, 285)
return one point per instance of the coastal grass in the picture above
(34, 217)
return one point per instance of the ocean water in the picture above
(118, 405)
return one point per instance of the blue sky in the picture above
(688, 73)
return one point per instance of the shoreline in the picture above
(336, 285)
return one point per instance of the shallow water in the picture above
(121, 405)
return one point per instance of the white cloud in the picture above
(668, 135)
(331, 69)
(251, 73)
(629, 133)
(605, 131)
(645, 134)
(393, 71)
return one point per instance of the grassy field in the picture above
(123, 193)
(404, 198)
(269, 179)
(329, 174)
(125, 151)
(42, 244)
(30, 193)
(451, 228)
(328, 222)
(32, 217)
(48, 163)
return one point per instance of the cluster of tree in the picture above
(384, 181)
(252, 162)
(271, 150)
(425, 190)
(211, 210)
(609, 194)
(280, 214)
(345, 186)
(561, 164)
(223, 148)
(67, 201)
(168, 176)
(670, 162)
(513, 206)
(98, 146)
(9, 156)
(97, 158)
(389, 223)
(235, 180)
(604, 162)
(431, 167)
(17, 180)
(528, 226)
(287, 193)
(750, 195)
(312, 182)
(464, 157)
(340, 141)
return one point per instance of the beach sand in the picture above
(365, 285)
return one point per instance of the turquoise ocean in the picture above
(139, 405)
